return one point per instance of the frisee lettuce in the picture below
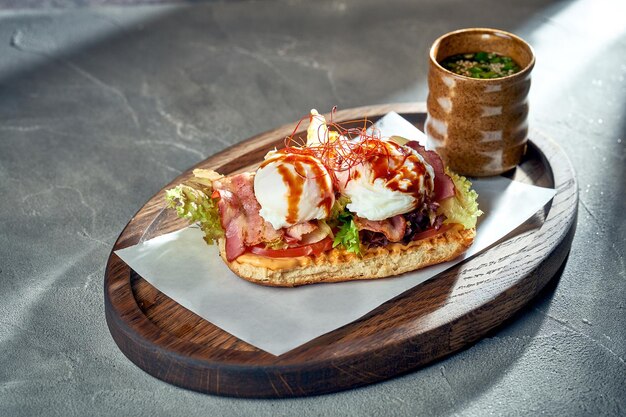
(463, 207)
(195, 205)
(348, 234)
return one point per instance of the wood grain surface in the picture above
(425, 323)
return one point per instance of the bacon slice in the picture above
(234, 241)
(298, 230)
(393, 228)
(444, 187)
(239, 215)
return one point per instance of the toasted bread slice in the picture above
(339, 265)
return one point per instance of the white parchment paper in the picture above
(277, 320)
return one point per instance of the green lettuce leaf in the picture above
(348, 234)
(463, 207)
(196, 205)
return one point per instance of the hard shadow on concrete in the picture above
(125, 113)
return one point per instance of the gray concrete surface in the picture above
(100, 107)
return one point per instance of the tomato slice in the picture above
(304, 250)
(321, 246)
(431, 232)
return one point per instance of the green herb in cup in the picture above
(481, 65)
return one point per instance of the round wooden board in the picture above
(425, 323)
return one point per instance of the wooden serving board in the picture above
(425, 323)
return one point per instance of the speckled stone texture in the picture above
(100, 107)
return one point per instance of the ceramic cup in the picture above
(479, 126)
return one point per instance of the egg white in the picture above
(272, 192)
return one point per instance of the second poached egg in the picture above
(394, 180)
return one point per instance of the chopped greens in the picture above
(196, 205)
(481, 65)
(348, 234)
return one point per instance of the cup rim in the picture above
(434, 47)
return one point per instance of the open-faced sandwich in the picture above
(345, 205)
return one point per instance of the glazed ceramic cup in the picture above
(479, 126)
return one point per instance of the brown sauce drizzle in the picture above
(321, 176)
(294, 180)
(388, 166)
(327, 203)
(295, 185)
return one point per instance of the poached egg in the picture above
(395, 180)
(293, 188)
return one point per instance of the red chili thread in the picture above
(353, 146)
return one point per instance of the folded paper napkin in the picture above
(277, 320)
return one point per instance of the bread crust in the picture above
(339, 265)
